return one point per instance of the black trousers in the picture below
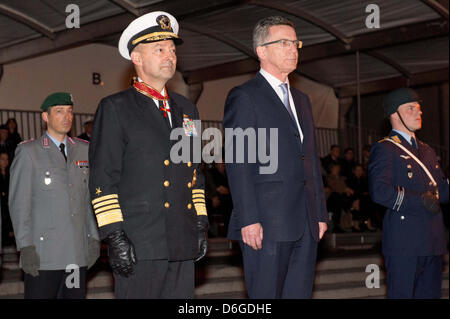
(157, 279)
(56, 284)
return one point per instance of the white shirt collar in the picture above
(273, 81)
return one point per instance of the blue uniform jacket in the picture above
(396, 181)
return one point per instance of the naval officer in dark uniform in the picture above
(150, 210)
(50, 207)
(406, 178)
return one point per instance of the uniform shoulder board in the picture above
(383, 139)
(80, 139)
(26, 141)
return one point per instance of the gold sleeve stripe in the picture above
(200, 209)
(199, 201)
(109, 207)
(101, 199)
(198, 191)
(110, 217)
(198, 196)
(107, 202)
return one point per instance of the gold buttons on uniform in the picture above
(166, 183)
(189, 164)
(166, 205)
(189, 185)
(189, 206)
(166, 162)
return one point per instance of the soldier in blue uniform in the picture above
(406, 178)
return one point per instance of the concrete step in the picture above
(220, 275)
(355, 289)
(355, 261)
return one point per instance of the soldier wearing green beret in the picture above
(50, 208)
(406, 178)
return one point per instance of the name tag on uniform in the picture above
(82, 164)
(189, 127)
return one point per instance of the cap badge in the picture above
(164, 22)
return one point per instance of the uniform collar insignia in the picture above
(45, 142)
(396, 139)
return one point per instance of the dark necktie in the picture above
(413, 143)
(62, 148)
(286, 103)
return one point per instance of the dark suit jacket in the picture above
(284, 201)
(130, 160)
(396, 181)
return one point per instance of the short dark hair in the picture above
(334, 146)
(261, 30)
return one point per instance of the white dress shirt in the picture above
(157, 103)
(275, 84)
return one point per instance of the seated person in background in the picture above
(87, 127)
(366, 157)
(13, 137)
(7, 229)
(359, 183)
(218, 193)
(332, 158)
(5, 144)
(340, 194)
(348, 162)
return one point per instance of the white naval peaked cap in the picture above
(151, 27)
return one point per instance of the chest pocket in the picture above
(51, 178)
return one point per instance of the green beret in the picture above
(398, 97)
(58, 98)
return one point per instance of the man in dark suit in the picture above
(414, 239)
(279, 217)
(150, 208)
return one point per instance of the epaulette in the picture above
(393, 138)
(383, 139)
(27, 141)
(80, 139)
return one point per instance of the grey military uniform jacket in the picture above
(50, 203)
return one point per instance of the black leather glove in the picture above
(202, 227)
(93, 251)
(121, 253)
(30, 260)
(431, 202)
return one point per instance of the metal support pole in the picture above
(358, 97)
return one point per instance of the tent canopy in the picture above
(409, 48)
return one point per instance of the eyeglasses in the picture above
(285, 44)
